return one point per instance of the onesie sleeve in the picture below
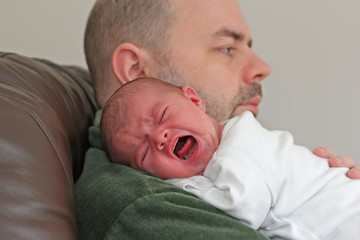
(248, 201)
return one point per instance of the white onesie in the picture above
(261, 178)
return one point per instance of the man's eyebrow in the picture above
(225, 32)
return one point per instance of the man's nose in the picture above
(160, 138)
(257, 69)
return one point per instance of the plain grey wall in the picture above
(47, 29)
(313, 48)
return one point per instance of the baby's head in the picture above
(159, 128)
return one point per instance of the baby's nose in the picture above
(161, 138)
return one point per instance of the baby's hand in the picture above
(339, 161)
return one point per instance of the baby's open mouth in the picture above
(185, 147)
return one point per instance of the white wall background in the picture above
(313, 48)
(43, 28)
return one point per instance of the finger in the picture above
(354, 173)
(324, 152)
(341, 161)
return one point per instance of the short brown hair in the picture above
(145, 23)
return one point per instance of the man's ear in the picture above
(191, 94)
(127, 62)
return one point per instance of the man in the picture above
(205, 44)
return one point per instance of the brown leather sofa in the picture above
(46, 110)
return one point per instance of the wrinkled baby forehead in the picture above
(132, 95)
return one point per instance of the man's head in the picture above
(156, 127)
(143, 23)
(206, 44)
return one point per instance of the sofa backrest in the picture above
(45, 112)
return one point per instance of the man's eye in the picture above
(228, 50)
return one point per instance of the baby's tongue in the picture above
(188, 149)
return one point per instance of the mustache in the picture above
(253, 90)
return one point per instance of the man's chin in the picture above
(239, 110)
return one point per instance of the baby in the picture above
(258, 176)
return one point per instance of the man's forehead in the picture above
(216, 19)
(234, 34)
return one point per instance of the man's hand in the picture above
(339, 161)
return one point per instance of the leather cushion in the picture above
(45, 111)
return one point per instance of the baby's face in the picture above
(168, 135)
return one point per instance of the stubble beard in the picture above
(218, 108)
(215, 105)
(254, 89)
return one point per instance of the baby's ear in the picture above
(191, 94)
